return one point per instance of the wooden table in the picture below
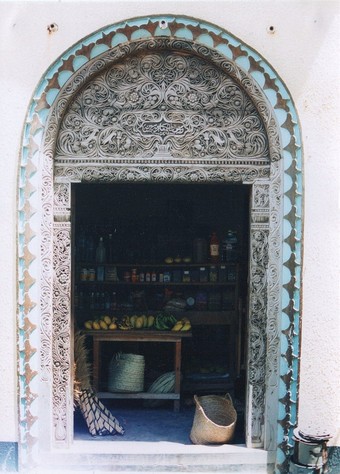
(131, 335)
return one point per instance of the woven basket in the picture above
(214, 420)
(126, 373)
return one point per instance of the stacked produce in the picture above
(161, 322)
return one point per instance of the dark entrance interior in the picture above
(156, 262)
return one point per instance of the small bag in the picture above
(214, 421)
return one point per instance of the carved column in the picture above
(257, 342)
(62, 353)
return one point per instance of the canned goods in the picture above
(167, 277)
(186, 276)
(83, 274)
(111, 274)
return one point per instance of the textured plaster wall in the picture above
(304, 51)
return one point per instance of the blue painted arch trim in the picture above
(286, 116)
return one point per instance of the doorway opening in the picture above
(156, 264)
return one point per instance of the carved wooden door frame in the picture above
(46, 178)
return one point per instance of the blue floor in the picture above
(146, 424)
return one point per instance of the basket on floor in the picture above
(214, 420)
(126, 373)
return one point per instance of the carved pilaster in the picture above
(258, 264)
(62, 357)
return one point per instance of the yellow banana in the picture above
(103, 325)
(186, 326)
(107, 319)
(151, 320)
(178, 326)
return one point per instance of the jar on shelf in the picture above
(83, 274)
(91, 275)
(213, 274)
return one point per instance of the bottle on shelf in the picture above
(214, 248)
(113, 301)
(81, 245)
(110, 249)
(200, 247)
(101, 251)
(90, 249)
(107, 301)
(92, 300)
(229, 247)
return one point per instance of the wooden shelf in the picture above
(158, 265)
(139, 395)
(211, 317)
(175, 338)
(156, 283)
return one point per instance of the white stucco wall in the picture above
(304, 51)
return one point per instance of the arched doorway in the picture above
(71, 152)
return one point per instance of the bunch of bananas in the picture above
(137, 322)
(182, 325)
(105, 322)
(161, 322)
(124, 323)
(164, 321)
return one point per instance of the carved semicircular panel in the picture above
(165, 103)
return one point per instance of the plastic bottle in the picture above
(214, 248)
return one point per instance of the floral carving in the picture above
(182, 102)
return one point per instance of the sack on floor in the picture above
(99, 419)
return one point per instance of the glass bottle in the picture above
(113, 302)
(110, 249)
(90, 248)
(229, 247)
(214, 248)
